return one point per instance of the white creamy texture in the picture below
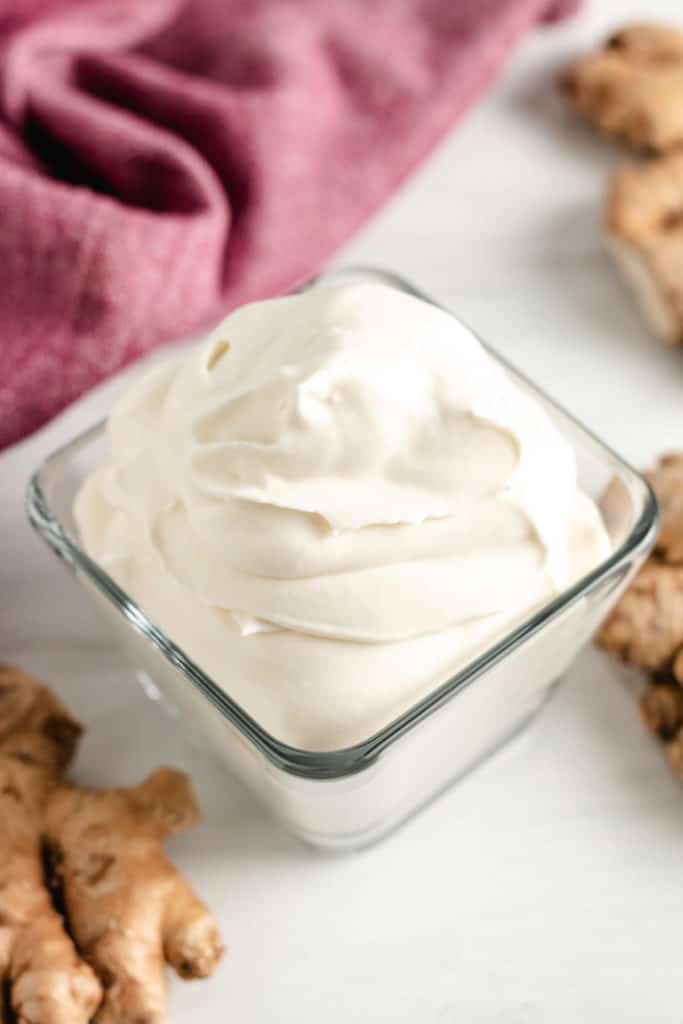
(333, 503)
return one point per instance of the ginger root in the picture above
(646, 626)
(128, 908)
(674, 754)
(46, 981)
(667, 481)
(643, 229)
(632, 88)
(662, 708)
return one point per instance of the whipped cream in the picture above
(333, 503)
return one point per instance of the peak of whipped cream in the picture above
(335, 475)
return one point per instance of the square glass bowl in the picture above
(347, 798)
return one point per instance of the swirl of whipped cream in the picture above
(336, 484)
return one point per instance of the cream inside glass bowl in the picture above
(354, 546)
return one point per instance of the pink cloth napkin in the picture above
(164, 160)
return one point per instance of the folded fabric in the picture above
(162, 161)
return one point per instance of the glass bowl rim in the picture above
(348, 760)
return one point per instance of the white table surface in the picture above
(549, 885)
